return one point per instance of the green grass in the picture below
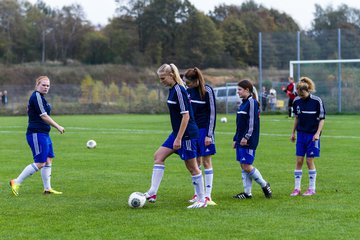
(96, 184)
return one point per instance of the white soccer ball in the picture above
(137, 200)
(223, 120)
(91, 144)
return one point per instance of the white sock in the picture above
(200, 171)
(256, 175)
(198, 183)
(298, 175)
(247, 182)
(157, 175)
(209, 176)
(46, 176)
(312, 179)
(27, 172)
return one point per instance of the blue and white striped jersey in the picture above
(309, 112)
(204, 109)
(178, 104)
(37, 107)
(248, 123)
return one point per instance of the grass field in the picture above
(96, 184)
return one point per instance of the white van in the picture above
(228, 94)
(227, 99)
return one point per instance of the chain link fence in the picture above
(71, 99)
(338, 84)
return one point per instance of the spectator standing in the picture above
(4, 97)
(264, 97)
(272, 99)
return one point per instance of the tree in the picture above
(158, 24)
(123, 40)
(325, 25)
(71, 26)
(134, 9)
(160, 28)
(329, 19)
(256, 18)
(236, 39)
(112, 93)
(40, 20)
(12, 32)
(199, 43)
(95, 48)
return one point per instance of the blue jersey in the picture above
(37, 107)
(178, 104)
(248, 123)
(309, 112)
(204, 109)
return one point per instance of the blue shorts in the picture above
(245, 155)
(306, 146)
(188, 147)
(41, 146)
(202, 149)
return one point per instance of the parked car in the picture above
(228, 94)
(228, 97)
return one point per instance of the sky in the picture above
(302, 11)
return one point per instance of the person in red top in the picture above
(290, 91)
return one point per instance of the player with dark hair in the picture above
(182, 140)
(290, 91)
(246, 140)
(203, 103)
(309, 121)
(38, 138)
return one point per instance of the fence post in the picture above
(339, 71)
(298, 54)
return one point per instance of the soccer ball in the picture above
(136, 200)
(91, 144)
(223, 120)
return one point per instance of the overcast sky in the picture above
(301, 11)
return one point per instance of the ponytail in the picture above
(195, 74)
(170, 69)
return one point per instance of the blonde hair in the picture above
(306, 84)
(170, 69)
(38, 80)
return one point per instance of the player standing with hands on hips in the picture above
(182, 140)
(246, 139)
(203, 103)
(309, 121)
(38, 138)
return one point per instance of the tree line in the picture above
(150, 32)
